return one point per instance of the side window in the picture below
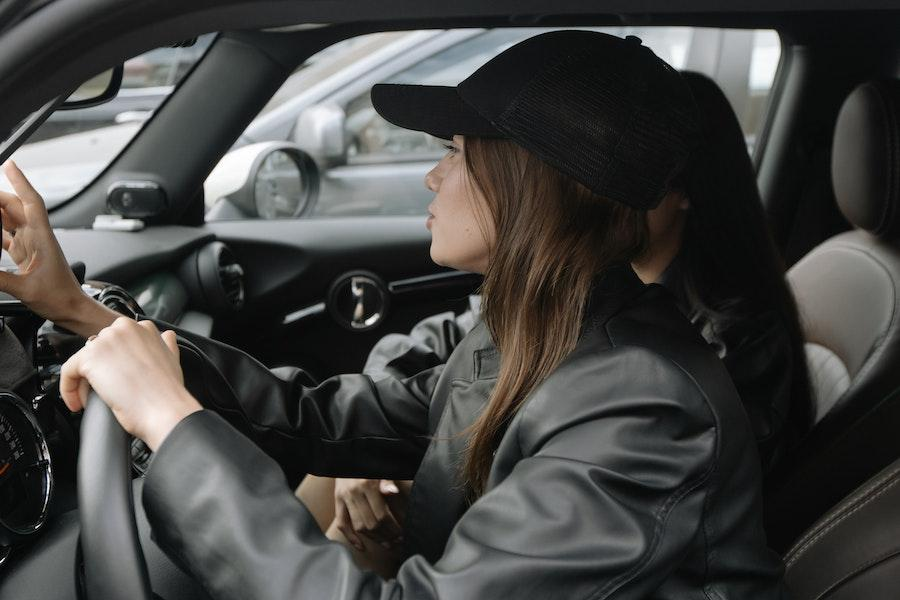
(366, 166)
(73, 147)
(371, 139)
(743, 62)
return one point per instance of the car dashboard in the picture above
(178, 275)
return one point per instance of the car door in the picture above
(367, 218)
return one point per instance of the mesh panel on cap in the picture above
(618, 129)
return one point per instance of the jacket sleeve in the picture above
(346, 426)
(603, 503)
(428, 344)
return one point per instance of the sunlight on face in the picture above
(458, 215)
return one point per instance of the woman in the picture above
(581, 442)
(711, 247)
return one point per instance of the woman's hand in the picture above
(360, 507)
(45, 283)
(135, 370)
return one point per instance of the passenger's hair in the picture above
(553, 236)
(731, 266)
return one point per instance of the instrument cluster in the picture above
(38, 435)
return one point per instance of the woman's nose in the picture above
(432, 181)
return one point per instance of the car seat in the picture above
(847, 293)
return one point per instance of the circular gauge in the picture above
(282, 188)
(26, 477)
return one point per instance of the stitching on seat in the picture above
(859, 569)
(848, 502)
(816, 536)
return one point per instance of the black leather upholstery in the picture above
(853, 552)
(848, 293)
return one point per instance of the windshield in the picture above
(72, 147)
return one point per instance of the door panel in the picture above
(291, 265)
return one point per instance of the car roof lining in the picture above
(68, 41)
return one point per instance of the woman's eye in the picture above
(450, 148)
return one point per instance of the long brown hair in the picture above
(552, 237)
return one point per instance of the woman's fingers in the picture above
(386, 529)
(13, 213)
(9, 283)
(361, 514)
(73, 387)
(368, 510)
(26, 192)
(344, 523)
(386, 486)
(171, 341)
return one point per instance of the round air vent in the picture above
(231, 278)
(214, 278)
(358, 300)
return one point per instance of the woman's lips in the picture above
(429, 220)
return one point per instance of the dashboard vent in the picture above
(214, 279)
(231, 277)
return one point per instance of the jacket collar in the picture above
(673, 280)
(611, 290)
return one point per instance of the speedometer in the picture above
(26, 477)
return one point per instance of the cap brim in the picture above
(434, 109)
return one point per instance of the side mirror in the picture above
(96, 90)
(320, 132)
(268, 180)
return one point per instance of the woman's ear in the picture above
(684, 202)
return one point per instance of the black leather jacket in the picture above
(628, 473)
(756, 350)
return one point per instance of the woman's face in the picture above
(461, 230)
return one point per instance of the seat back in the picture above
(848, 294)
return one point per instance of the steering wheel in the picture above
(114, 564)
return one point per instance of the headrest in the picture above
(865, 158)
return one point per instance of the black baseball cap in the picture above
(602, 109)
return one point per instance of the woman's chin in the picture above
(436, 257)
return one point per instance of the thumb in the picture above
(388, 487)
(171, 341)
(10, 284)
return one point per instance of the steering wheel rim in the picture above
(114, 564)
